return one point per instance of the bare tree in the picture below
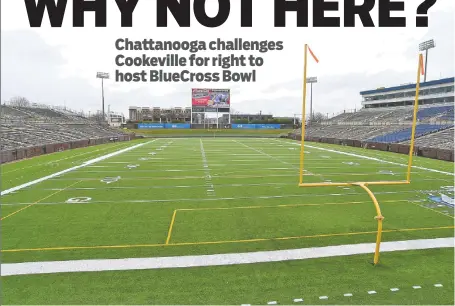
(172, 117)
(97, 117)
(319, 117)
(19, 102)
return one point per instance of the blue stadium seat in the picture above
(433, 111)
(404, 135)
(449, 116)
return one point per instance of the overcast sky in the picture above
(58, 65)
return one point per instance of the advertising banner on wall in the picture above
(257, 126)
(177, 126)
(144, 126)
(211, 98)
(153, 126)
(268, 126)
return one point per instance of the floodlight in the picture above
(311, 81)
(102, 76)
(425, 46)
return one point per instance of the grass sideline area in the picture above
(210, 132)
(255, 284)
(228, 195)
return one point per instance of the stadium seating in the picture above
(430, 112)
(448, 116)
(12, 113)
(395, 115)
(441, 140)
(40, 112)
(366, 116)
(405, 134)
(31, 126)
(355, 132)
(391, 125)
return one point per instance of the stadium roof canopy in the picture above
(408, 86)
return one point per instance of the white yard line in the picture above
(263, 153)
(169, 187)
(208, 177)
(85, 164)
(191, 186)
(374, 159)
(97, 265)
(303, 196)
(218, 175)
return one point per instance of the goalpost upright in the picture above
(302, 140)
(364, 185)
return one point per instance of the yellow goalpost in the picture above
(364, 185)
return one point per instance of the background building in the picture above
(433, 92)
(246, 118)
(158, 114)
(115, 120)
(256, 118)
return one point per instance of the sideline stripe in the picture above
(87, 163)
(59, 160)
(373, 158)
(97, 265)
(217, 242)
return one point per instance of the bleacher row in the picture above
(30, 126)
(405, 134)
(40, 114)
(441, 140)
(435, 126)
(441, 114)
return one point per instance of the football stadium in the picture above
(201, 205)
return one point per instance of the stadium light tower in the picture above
(425, 46)
(102, 76)
(311, 80)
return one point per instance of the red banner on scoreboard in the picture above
(220, 98)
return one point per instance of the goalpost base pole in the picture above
(364, 185)
(378, 217)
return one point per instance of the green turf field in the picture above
(196, 196)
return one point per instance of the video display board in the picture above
(211, 98)
(210, 110)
